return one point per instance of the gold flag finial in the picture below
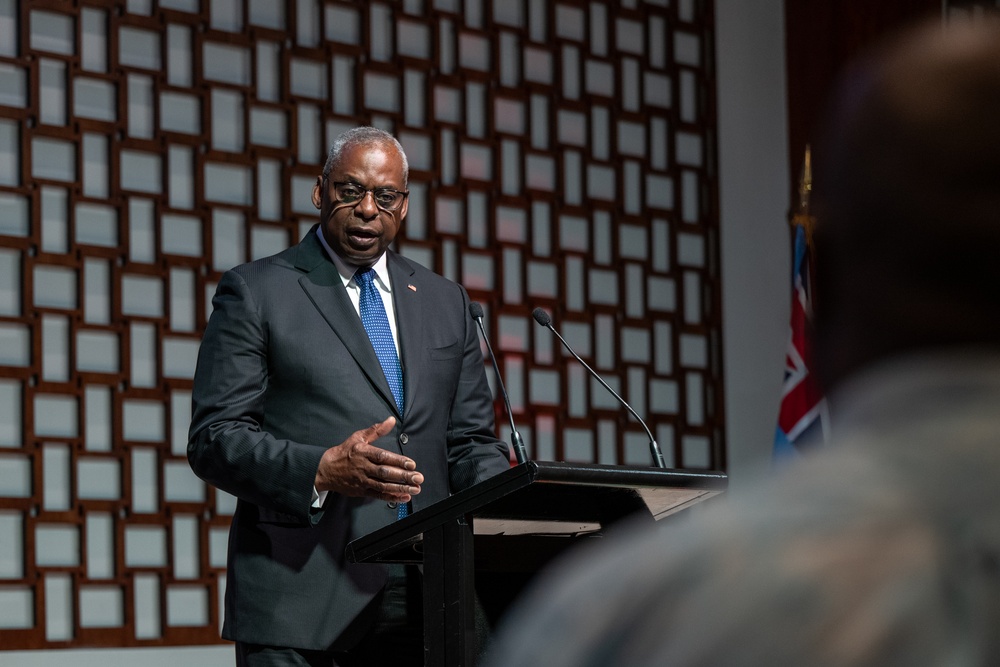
(801, 216)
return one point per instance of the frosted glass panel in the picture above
(218, 547)
(142, 240)
(268, 189)
(178, 55)
(343, 81)
(58, 607)
(56, 416)
(147, 606)
(187, 605)
(185, 551)
(569, 23)
(226, 15)
(180, 112)
(52, 91)
(101, 607)
(227, 239)
(656, 89)
(182, 300)
(145, 546)
(142, 295)
(268, 70)
(96, 172)
(227, 120)
(98, 417)
(52, 32)
(98, 479)
(53, 159)
(692, 297)
(15, 482)
(97, 292)
(179, 357)
(139, 48)
(342, 24)
(141, 171)
(180, 484)
(308, 78)
(55, 286)
(474, 52)
(225, 63)
(269, 127)
(55, 348)
(94, 98)
(600, 78)
(10, 161)
(140, 106)
(601, 182)
(10, 413)
(143, 420)
(15, 345)
(477, 162)
(413, 39)
(180, 420)
(694, 351)
(55, 220)
(97, 351)
(13, 209)
(309, 134)
(230, 184)
(695, 400)
(266, 241)
(267, 13)
(11, 556)
(94, 40)
(147, 549)
(381, 92)
(57, 544)
(143, 360)
(10, 282)
(181, 177)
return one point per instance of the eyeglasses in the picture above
(387, 199)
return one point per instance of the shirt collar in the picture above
(347, 270)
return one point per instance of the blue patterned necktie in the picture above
(376, 324)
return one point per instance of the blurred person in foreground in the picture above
(339, 387)
(884, 547)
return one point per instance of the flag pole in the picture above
(801, 217)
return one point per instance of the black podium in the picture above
(511, 525)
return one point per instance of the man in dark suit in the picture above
(327, 427)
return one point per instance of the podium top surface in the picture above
(548, 498)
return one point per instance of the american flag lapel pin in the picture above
(412, 288)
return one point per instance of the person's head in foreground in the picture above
(883, 547)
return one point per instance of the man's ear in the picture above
(318, 192)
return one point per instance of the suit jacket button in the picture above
(392, 504)
(403, 438)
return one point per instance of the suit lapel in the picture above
(324, 287)
(409, 322)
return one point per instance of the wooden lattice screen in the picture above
(562, 155)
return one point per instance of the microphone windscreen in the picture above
(475, 310)
(541, 317)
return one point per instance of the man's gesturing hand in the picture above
(357, 468)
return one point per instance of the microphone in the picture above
(543, 318)
(515, 438)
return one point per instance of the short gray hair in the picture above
(364, 136)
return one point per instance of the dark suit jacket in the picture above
(285, 371)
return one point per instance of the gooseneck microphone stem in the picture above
(515, 438)
(545, 320)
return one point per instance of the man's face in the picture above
(360, 232)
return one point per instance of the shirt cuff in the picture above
(319, 497)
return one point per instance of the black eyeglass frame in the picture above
(364, 193)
